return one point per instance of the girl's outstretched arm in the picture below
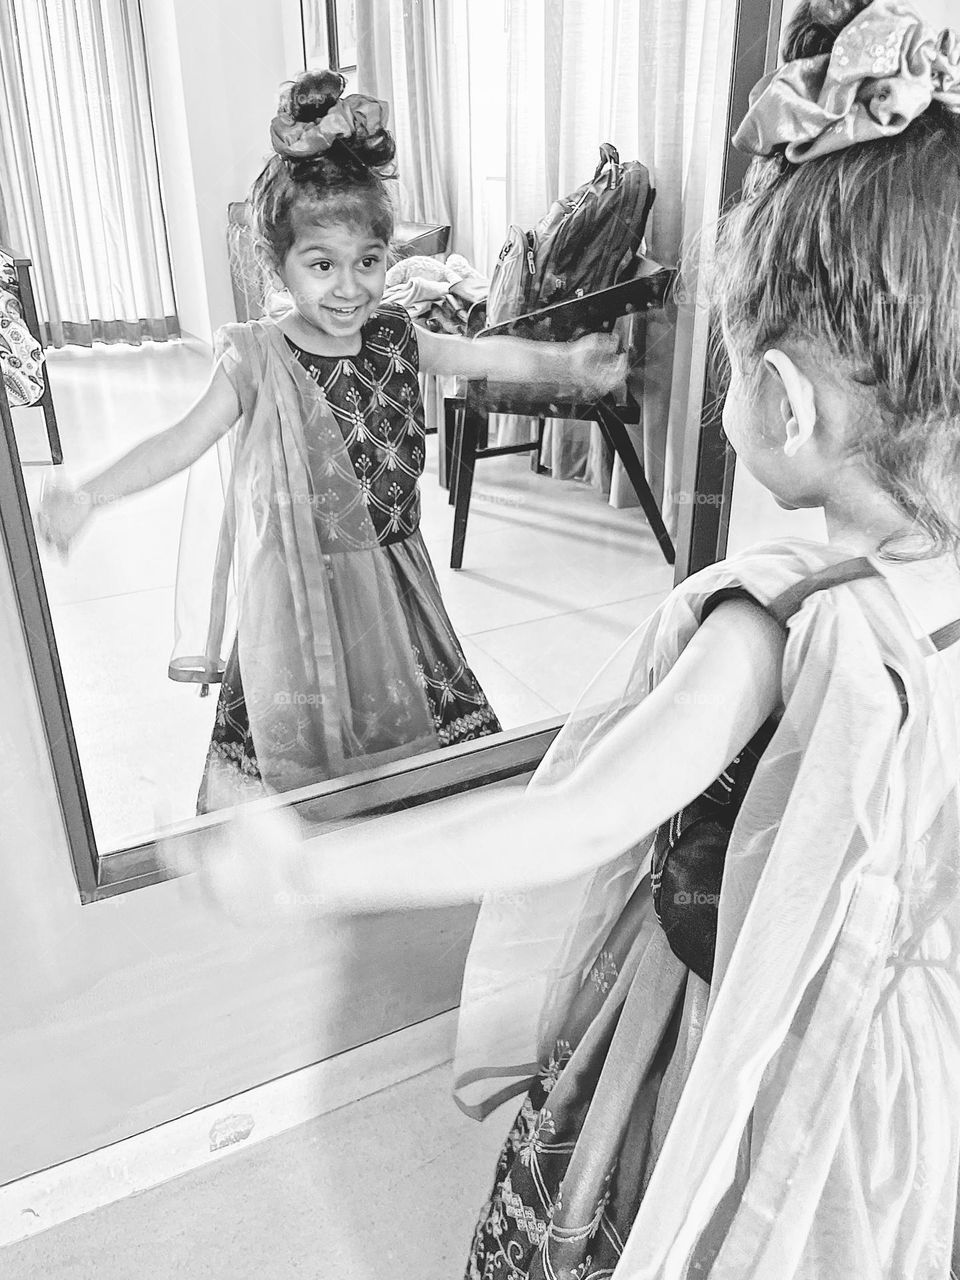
(593, 364)
(661, 755)
(66, 508)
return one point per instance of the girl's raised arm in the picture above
(65, 509)
(664, 753)
(593, 364)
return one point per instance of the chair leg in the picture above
(50, 420)
(467, 437)
(536, 455)
(445, 441)
(618, 438)
(455, 450)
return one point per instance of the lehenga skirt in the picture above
(458, 706)
(578, 1158)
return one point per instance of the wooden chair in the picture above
(466, 416)
(23, 289)
(426, 238)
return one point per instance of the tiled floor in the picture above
(553, 579)
(387, 1188)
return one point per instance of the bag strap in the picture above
(788, 602)
(785, 605)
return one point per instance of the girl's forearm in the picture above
(147, 464)
(508, 842)
(172, 450)
(517, 360)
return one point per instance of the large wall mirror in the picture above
(543, 559)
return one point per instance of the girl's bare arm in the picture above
(657, 759)
(594, 363)
(67, 507)
(173, 449)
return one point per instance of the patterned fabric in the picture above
(21, 356)
(574, 1166)
(884, 70)
(374, 397)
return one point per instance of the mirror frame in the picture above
(702, 538)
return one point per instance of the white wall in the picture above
(216, 68)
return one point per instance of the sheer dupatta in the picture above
(812, 1135)
(262, 546)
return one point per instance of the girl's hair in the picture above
(859, 252)
(344, 185)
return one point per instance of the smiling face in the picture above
(335, 275)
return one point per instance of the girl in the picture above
(311, 595)
(790, 1111)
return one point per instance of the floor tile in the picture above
(388, 1186)
(558, 657)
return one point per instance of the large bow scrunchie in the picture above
(884, 70)
(355, 118)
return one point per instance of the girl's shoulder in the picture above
(390, 338)
(242, 338)
(390, 321)
(766, 569)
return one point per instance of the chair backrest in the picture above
(594, 312)
(565, 322)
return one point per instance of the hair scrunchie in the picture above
(356, 119)
(884, 70)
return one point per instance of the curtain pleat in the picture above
(82, 187)
(416, 57)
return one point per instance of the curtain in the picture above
(81, 188)
(651, 77)
(415, 55)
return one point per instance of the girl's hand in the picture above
(249, 871)
(62, 513)
(596, 363)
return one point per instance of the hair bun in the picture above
(815, 26)
(311, 95)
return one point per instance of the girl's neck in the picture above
(929, 586)
(313, 340)
(860, 516)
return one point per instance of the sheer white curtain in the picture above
(416, 57)
(81, 189)
(650, 76)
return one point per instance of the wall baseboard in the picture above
(55, 1195)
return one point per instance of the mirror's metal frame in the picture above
(708, 469)
(410, 783)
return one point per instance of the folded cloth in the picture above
(415, 291)
(454, 270)
(437, 294)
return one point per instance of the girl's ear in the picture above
(799, 404)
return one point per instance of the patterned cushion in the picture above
(21, 356)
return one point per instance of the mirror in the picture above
(556, 531)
